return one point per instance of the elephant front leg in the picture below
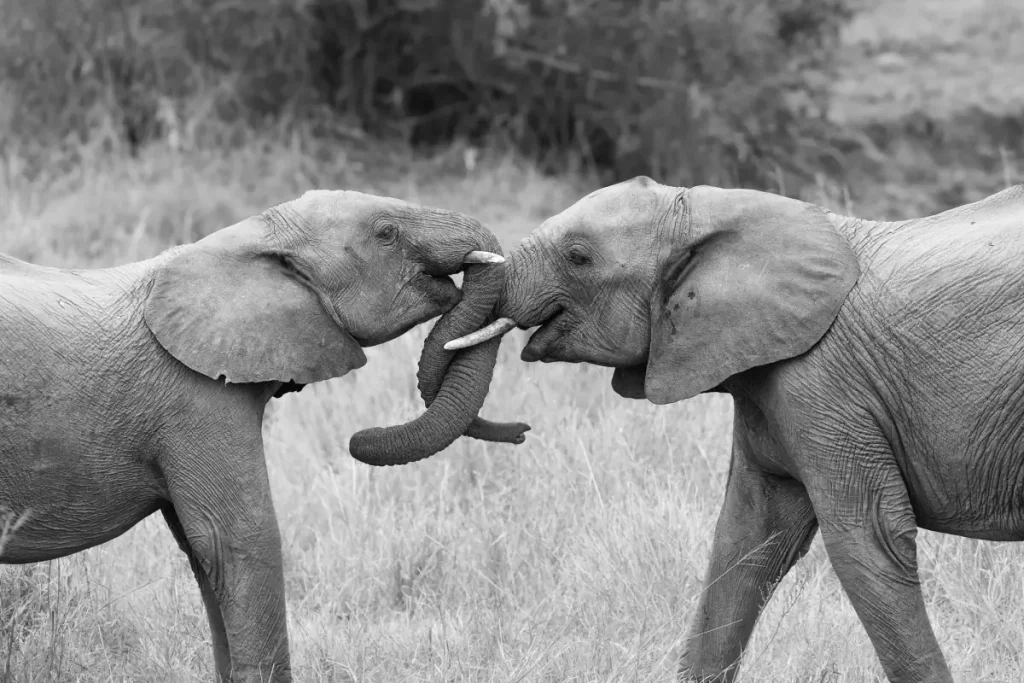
(231, 536)
(870, 533)
(218, 636)
(765, 526)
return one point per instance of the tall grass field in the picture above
(577, 556)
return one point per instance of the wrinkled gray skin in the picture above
(110, 407)
(877, 372)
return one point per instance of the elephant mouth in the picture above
(426, 294)
(540, 346)
(432, 295)
(438, 294)
(439, 290)
(552, 326)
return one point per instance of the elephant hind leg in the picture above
(765, 526)
(870, 533)
(218, 634)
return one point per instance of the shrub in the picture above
(124, 72)
(718, 91)
(688, 90)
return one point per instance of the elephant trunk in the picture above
(436, 358)
(514, 287)
(511, 308)
(453, 384)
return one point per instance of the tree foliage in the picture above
(718, 91)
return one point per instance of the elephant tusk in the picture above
(495, 329)
(483, 257)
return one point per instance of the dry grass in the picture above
(576, 557)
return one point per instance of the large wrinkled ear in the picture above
(761, 279)
(228, 306)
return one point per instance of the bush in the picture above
(125, 72)
(719, 91)
(688, 90)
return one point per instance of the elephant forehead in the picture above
(329, 203)
(618, 208)
(625, 202)
(332, 205)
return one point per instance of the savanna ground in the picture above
(578, 556)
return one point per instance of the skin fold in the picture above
(142, 388)
(876, 368)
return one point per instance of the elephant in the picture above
(876, 371)
(142, 388)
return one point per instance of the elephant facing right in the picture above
(876, 368)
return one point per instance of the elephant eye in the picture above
(577, 255)
(387, 232)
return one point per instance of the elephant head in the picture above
(678, 289)
(293, 294)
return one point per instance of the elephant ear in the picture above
(229, 306)
(762, 279)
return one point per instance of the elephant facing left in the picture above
(141, 388)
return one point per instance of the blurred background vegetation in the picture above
(854, 99)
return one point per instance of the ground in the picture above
(577, 557)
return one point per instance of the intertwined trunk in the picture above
(453, 384)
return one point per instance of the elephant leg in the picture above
(226, 516)
(766, 525)
(870, 533)
(218, 635)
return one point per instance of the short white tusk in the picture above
(483, 257)
(495, 329)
